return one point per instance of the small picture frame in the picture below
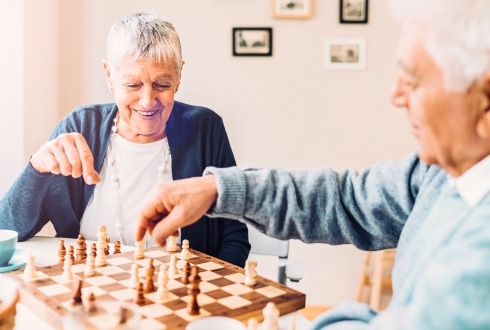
(345, 54)
(300, 9)
(252, 41)
(353, 11)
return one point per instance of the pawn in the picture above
(90, 265)
(162, 291)
(186, 273)
(139, 299)
(139, 253)
(90, 306)
(185, 254)
(61, 252)
(134, 280)
(173, 269)
(30, 272)
(171, 244)
(117, 247)
(71, 253)
(67, 274)
(271, 317)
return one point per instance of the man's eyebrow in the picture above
(405, 68)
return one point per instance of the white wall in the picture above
(283, 111)
(11, 91)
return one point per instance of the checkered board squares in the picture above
(222, 292)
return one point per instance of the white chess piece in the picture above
(250, 272)
(171, 244)
(134, 280)
(271, 317)
(67, 274)
(162, 291)
(100, 259)
(173, 270)
(139, 253)
(30, 269)
(89, 265)
(185, 254)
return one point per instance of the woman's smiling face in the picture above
(144, 93)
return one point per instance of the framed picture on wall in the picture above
(252, 41)
(345, 54)
(292, 8)
(354, 11)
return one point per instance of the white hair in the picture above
(457, 36)
(143, 36)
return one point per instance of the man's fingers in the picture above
(167, 226)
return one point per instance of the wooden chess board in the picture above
(222, 292)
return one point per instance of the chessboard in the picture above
(222, 291)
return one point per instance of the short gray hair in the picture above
(143, 35)
(456, 35)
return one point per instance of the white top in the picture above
(137, 170)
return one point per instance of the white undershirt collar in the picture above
(474, 184)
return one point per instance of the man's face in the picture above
(444, 122)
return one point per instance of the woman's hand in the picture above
(68, 155)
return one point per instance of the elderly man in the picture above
(433, 205)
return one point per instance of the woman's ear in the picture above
(483, 125)
(180, 76)
(107, 72)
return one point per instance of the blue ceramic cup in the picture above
(8, 242)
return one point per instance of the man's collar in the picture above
(474, 184)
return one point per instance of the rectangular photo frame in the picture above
(353, 11)
(252, 41)
(345, 54)
(293, 9)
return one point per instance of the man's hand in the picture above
(68, 155)
(175, 205)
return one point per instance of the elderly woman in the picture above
(103, 160)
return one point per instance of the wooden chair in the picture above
(374, 285)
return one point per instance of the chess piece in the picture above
(252, 324)
(271, 317)
(71, 253)
(140, 294)
(186, 273)
(173, 269)
(67, 274)
(90, 306)
(61, 252)
(90, 265)
(106, 250)
(185, 254)
(193, 291)
(250, 272)
(162, 291)
(139, 253)
(150, 286)
(134, 280)
(117, 247)
(171, 244)
(30, 272)
(81, 248)
(100, 258)
(76, 298)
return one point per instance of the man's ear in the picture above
(107, 72)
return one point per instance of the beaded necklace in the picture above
(115, 179)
